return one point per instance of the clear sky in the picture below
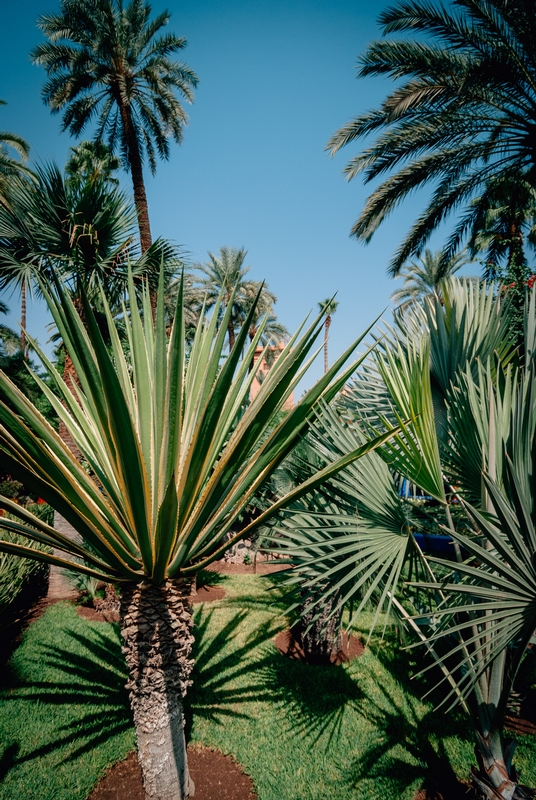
(277, 78)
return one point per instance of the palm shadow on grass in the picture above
(315, 699)
(219, 666)
(92, 673)
(409, 740)
(406, 743)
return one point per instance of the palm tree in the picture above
(225, 274)
(104, 60)
(82, 231)
(463, 112)
(92, 161)
(424, 277)
(178, 454)
(328, 307)
(477, 615)
(10, 167)
(56, 226)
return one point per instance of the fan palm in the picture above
(177, 454)
(105, 60)
(424, 277)
(225, 273)
(83, 231)
(10, 167)
(473, 427)
(463, 112)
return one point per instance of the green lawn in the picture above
(302, 733)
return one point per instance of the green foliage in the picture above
(88, 80)
(360, 728)
(15, 572)
(177, 449)
(467, 413)
(10, 167)
(461, 118)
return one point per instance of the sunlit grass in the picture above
(302, 733)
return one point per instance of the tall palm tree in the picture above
(92, 161)
(11, 167)
(178, 454)
(105, 61)
(328, 307)
(225, 274)
(463, 111)
(424, 277)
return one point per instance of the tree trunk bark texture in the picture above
(156, 626)
(136, 172)
(323, 640)
(59, 586)
(496, 777)
(326, 337)
(23, 318)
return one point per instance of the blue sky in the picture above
(277, 78)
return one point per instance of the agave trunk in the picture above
(318, 633)
(156, 625)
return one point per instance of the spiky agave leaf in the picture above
(171, 458)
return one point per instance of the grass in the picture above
(302, 733)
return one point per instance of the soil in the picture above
(525, 722)
(261, 568)
(91, 614)
(288, 646)
(458, 790)
(207, 594)
(216, 777)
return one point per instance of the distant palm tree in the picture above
(424, 277)
(463, 112)
(273, 331)
(84, 232)
(327, 307)
(226, 273)
(11, 167)
(92, 161)
(503, 220)
(105, 62)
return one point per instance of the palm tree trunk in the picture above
(136, 173)
(320, 638)
(138, 184)
(156, 626)
(230, 330)
(58, 584)
(326, 334)
(23, 318)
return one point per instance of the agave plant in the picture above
(172, 452)
(472, 435)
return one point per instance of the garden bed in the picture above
(358, 730)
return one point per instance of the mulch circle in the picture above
(216, 777)
(288, 646)
(91, 614)
(207, 594)
(459, 790)
(260, 568)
